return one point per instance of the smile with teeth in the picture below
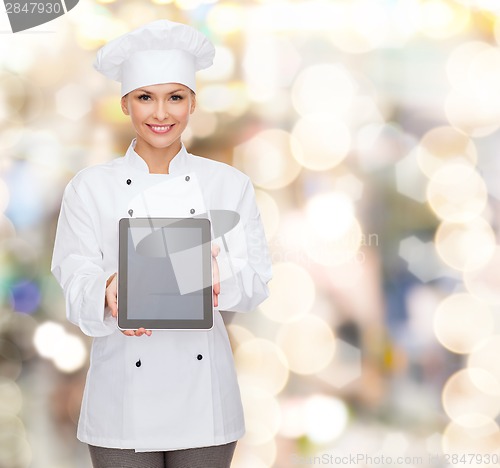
(160, 128)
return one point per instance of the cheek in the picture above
(136, 112)
(183, 115)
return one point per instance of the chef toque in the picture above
(158, 52)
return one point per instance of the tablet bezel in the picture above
(125, 323)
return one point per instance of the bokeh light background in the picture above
(370, 131)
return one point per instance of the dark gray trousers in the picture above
(217, 456)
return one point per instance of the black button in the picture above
(138, 363)
(199, 357)
(129, 181)
(187, 178)
(130, 212)
(191, 210)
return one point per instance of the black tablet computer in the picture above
(165, 274)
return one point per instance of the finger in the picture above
(215, 282)
(215, 276)
(111, 296)
(215, 250)
(139, 332)
(114, 308)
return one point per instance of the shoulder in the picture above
(97, 174)
(92, 183)
(217, 169)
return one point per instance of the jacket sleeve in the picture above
(77, 264)
(244, 260)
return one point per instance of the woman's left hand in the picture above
(215, 274)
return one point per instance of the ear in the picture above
(193, 103)
(124, 105)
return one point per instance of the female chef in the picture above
(167, 398)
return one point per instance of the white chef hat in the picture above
(158, 52)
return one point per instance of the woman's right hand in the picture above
(111, 300)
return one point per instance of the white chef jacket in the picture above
(173, 389)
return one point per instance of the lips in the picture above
(160, 129)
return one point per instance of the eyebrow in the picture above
(145, 91)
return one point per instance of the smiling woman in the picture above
(167, 398)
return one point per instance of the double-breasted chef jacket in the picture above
(173, 389)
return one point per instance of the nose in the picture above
(160, 111)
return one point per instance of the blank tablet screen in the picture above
(165, 279)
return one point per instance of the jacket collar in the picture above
(177, 165)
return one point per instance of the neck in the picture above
(158, 159)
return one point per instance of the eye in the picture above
(176, 97)
(144, 97)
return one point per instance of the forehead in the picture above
(163, 88)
